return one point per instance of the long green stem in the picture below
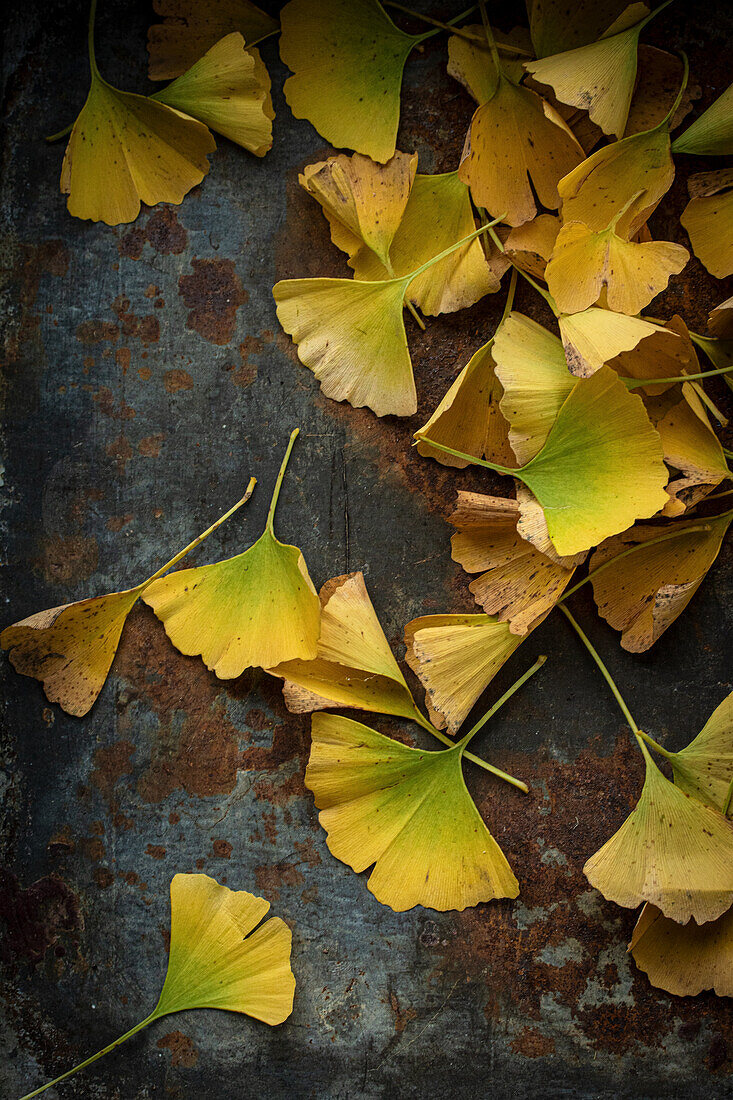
(445, 740)
(422, 438)
(60, 134)
(472, 38)
(501, 701)
(408, 303)
(634, 383)
(490, 38)
(90, 39)
(450, 250)
(88, 1061)
(525, 275)
(269, 526)
(200, 538)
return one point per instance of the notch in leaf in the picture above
(556, 27)
(70, 649)
(190, 28)
(255, 609)
(221, 956)
(684, 959)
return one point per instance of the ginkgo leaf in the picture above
(712, 133)
(598, 77)
(191, 28)
(228, 89)
(518, 584)
(438, 213)
(708, 219)
(720, 321)
(354, 666)
(704, 769)
(531, 367)
(517, 146)
(255, 609)
(70, 649)
(455, 658)
(672, 851)
(584, 264)
(684, 959)
(468, 60)
(556, 26)
(408, 813)
(643, 593)
(347, 58)
(219, 958)
(530, 246)
(690, 446)
(469, 417)
(364, 202)
(635, 347)
(658, 80)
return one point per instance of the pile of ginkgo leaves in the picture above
(602, 423)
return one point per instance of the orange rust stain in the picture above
(150, 445)
(65, 560)
(110, 763)
(104, 398)
(272, 878)
(222, 849)
(246, 373)
(122, 358)
(533, 1044)
(96, 331)
(212, 293)
(175, 380)
(155, 851)
(183, 1051)
(163, 232)
(402, 1017)
(116, 523)
(121, 450)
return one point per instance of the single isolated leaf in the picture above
(684, 959)
(672, 851)
(708, 219)
(407, 812)
(70, 649)
(364, 202)
(347, 58)
(518, 583)
(584, 265)
(712, 133)
(190, 29)
(704, 769)
(455, 658)
(255, 609)
(228, 90)
(354, 666)
(598, 77)
(219, 958)
(556, 26)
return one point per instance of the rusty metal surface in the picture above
(146, 380)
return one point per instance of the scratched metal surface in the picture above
(146, 380)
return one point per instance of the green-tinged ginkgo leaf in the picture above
(438, 213)
(598, 77)
(672, 851)
(228, 90)
(347, 58)
(364, 202)
(636, 348)
(585, 265)
(531, 367)
(518, 583)
(456, 657)
(704, 769)
(408, 813)
(642, 593)
(690, 446)
(469, 417)
(712, 133)
(720, 321)
(708, 219)
(684, 959)
(255, 609)
(70, 649)
(191, 28)
(530, 246)
(556, 26)
(354, 666)
(219, 958)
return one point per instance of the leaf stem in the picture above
(100, 1054)
(278, 484)
(726, 804)
(90, 39)
(450, 250)
(501, 701)
(474, 39)
(60, 134)
(468, 458)
(668, 118)
(490, 39)
(635, 383)
(200, 538)
(445, 740)
(532, 282)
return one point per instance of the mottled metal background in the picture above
(147, 379)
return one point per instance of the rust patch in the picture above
(279, 794)
(120, 449)
(31, 264)
(155, 851)
(246, 373)
(149, 446)
(183, 1051)
(533, 1044)
(104, 399)
(103, 877)
(212, 293)
(222, 849)
(66, 560)
(146, 329)
(97, 332)
(272, 878)
(36, 916)
(110, 763)
(402, 1016)
(116, 523)
(163, 232)
(175, 380)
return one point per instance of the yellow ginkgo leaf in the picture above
(556, 26)
(584, 264)
(191, 28)
(255, 609)
(704, 769)
(684, 959)
(70, 649)
(658, 81)
(219, 958)
(634, 347)
(228, 89)
(438, 213)
(708, 219)
(408, 813)
(363, 201)
(712, 133)
(354, 666)
(720, 321)
(455, 658)
(672, 851)
(530, 246)
(598, 77)
(469, 417)
(518, 583)
(468, 59)
(642, 593)
(347, 58)
(690, 446)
